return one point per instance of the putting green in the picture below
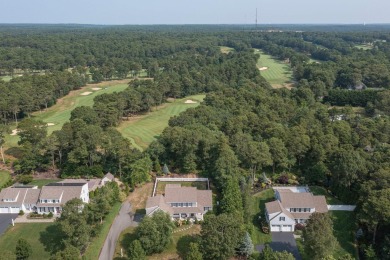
(142, 130)
(277, 73)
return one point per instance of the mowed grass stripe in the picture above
(144, 130)
(277, 72)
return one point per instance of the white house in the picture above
(14, 199)
(54, 195)
(181, 202)
(292, 205)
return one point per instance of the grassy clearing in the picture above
(277, 73)
(364, 46)
(93, 250)
(226, 50)
(139, 196)
(4, 177)
(178, 246)
(60, 112)
(344, 229)
(43, 182)
(36, 235)
(200, 185)
(6, 78)
(142, 130)
(258, 210)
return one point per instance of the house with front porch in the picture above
(54, 195)
(293, 205)
(181, 202)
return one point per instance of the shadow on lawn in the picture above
(127, 239)
(51, 239)
(184, 243)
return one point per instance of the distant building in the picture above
(181, 202)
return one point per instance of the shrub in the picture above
(21, 213)
(50, 215)
(299, 226)
(25, 179)
(283, 179)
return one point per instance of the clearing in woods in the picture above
(143, 129)
(226, 50)
(59, 114)
(276, 72)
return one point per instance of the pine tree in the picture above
(136, 252)
(193, 252)
(246, 246)
(165, 169)
(318, 236)
(23, 249)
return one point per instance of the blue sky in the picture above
(194, 12)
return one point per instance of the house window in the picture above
(282, 219)
(299, 210)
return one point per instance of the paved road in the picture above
(121, 222)
(5, 221)
(285, 241)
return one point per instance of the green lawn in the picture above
(143, 130)
(178, 246)
(4, 177)
(278, 73)
(344, 228)
(200, 185)
(43, 182)
(60, 112)
(97, 243)
(36, 235)
(6, 78)
(258, 210)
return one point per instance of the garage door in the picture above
(287, 228)
(275, 228)
(15, 209)
(3, 209)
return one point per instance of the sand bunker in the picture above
(189, 101)
(96, 89)
(14, 132)
(263, 68)
(50, 124)
(86, 93)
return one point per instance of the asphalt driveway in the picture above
(285, 241)
(121, 222)
(5, 221)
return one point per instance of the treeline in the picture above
(185, 77)
(340, 97)
(238, 133)
(24, 95)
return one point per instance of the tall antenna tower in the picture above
(256, 18)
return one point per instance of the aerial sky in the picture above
(195, 11)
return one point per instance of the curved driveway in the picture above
(121, 222)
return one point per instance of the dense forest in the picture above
(242, 128)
